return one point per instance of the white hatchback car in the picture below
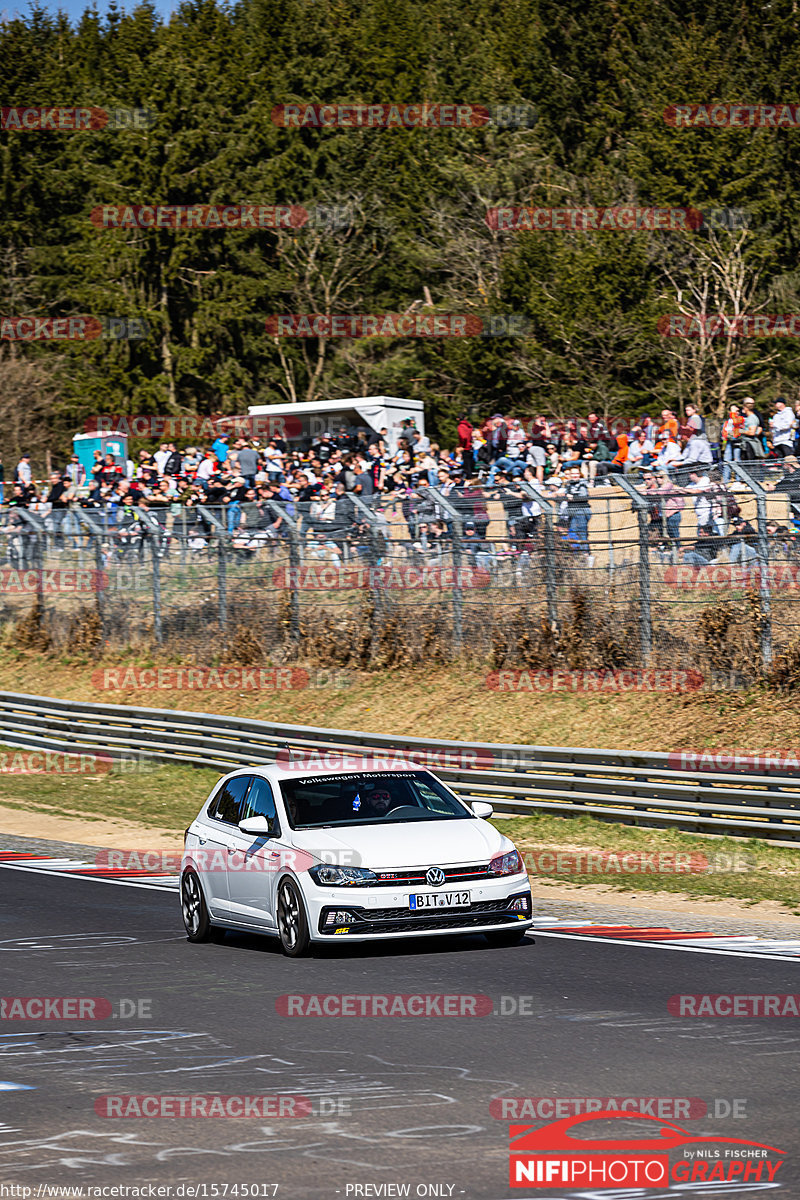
(359, 856)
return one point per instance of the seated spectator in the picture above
(704, 551)
(743, 541)
(641, 451)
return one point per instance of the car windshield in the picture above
(369, 798)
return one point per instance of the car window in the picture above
(260, 802)
(372, 798)
(228, 803)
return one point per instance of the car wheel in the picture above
(292, 922)
(193, 909)
(506, 937)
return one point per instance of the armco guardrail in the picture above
(634, 787)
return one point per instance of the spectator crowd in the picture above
(235, 483)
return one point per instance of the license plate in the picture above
(439, 900)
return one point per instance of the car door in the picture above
(215, 834)
(254, 860)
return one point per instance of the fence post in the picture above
(155, 537)
(293, 527)
(763, 553)
(458, 599)
(39, 533)
(645, 613)
(374, 583)
(222, 565)
(548, 508)
(96, 534)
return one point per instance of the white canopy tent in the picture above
(328, 416)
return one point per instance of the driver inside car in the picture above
(377, 803)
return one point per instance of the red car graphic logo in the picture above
(556, 1137)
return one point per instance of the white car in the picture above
(352, 856)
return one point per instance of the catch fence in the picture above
(656, 572)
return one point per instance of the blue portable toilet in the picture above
(85, 444)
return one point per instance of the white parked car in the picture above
(356, 856)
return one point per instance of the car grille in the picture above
(399, 920)
(451, 875)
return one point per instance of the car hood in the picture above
(405, 845)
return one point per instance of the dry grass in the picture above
(446, 702)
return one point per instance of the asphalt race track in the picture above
(401, 1101)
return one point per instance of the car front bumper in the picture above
(382, 912)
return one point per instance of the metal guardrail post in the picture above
(549, 510)
(96, 534)
(763, 553)
(458, 599)
(293, 527)
(222, 565)
(645, 611)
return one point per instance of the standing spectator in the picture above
(752, 440)
(161, 457)
(732, 440)
(173, 462)
(2, 479)
(782, 425)
(23, 473)
(465, 432)
(672, 506)
(75, 472)
(58, 497)
(579, 510)
(694, 420)
(220, 447)
(497, 437)
(248, 462)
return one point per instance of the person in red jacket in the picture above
(465, 442)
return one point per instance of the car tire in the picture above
(292, 921)
(196, 920)
(506, 937)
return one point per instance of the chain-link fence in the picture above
(696, 569)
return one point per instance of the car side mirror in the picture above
(481, 808)
(258, 825)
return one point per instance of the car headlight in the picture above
(329, 876)
(506, 864)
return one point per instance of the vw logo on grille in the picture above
(435, 876)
